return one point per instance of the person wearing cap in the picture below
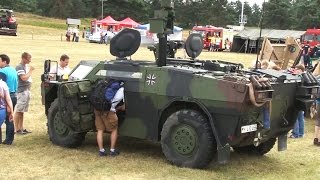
(12, 82)
(5, 102)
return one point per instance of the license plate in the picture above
(249, 128)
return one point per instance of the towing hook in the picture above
(257, 139)
(285, 121)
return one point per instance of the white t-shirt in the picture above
(27, 70)
(77, 32)
(61, 70)
(118, 97)
(3, 91)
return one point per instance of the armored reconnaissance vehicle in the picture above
(196, 109)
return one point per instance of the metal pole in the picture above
(102, 9)
(260, 24)
(241, 18)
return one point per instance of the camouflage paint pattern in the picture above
(151, 92)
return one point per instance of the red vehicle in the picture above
(208, 32)
(8, 24)
(311, 37)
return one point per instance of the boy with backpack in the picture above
(105, 98)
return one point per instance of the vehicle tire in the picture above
(260, 150)
(60, 134)
(187, 139)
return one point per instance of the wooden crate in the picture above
(284, 55)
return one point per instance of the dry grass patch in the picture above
(34, 157)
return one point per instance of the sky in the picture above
(251, 2)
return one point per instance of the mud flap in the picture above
(224, 154)
(282, 142)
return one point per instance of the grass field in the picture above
(34, 157)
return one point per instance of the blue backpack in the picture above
(103, 93)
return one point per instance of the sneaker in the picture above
(102, 153)
(292, 136)
(114, 153)
(20, 132)
(6, 142)
(316, 142)
(26, 131)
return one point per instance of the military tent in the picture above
(245, 40)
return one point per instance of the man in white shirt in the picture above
(63, 67)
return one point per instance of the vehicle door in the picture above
(132, 122)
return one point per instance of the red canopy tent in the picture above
(108, 21)
(128, 22)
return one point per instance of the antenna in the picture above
(242, 18)
(260, 25)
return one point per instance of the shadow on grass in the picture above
(135, 148)
(127, 145)
(144, 148)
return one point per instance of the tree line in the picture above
(278, 14)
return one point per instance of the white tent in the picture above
(151, 38)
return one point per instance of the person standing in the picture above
(63, 67)
(12, 82)
(316, 111)
(298, 130)
(108, 119)
(24, 72)
(77, 34)
(84, 32)
(5, 102)
(68, 35)
(306, 56)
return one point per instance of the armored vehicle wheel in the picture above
(60, 134)
(262, 149)
(187, 139)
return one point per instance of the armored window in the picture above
(81, 72)
(121, 74)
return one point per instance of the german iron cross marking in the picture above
(151, 79)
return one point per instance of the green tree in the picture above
(254, 18)
(305, 14)
(77, 9)
(276, 14)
